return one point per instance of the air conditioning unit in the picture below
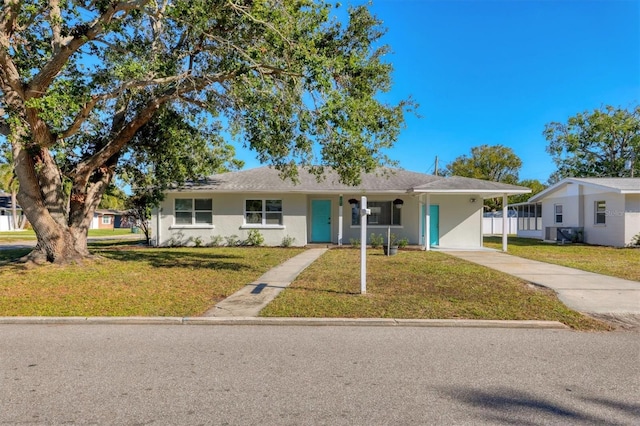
(572, 234)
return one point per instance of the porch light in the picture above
(398, 203)
(472, 200)
(353, 202)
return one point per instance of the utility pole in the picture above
(436, 171)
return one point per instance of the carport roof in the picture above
(385, 180)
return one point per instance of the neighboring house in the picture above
(327, 212)
(6, 214)
(529, 219)
(109, 219)
(604, 211)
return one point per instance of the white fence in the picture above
(493, 225)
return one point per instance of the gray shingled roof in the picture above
(463, 184)
(619, 185)
(267, 179)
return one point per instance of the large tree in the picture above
(602, 143)
(497, 163)
(79, 79)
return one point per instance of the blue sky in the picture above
(496, 71)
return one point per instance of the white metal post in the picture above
(340, 221)
(363, 245)
(504, 222)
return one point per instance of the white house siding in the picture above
(460, 221)
(228, 219)
(612, 232)
(632, 217)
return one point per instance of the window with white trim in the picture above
(193, 211)
(106, 220)
(383, 213)
(558, 213)
(263, 212)
(601, 212)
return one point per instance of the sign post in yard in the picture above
(364, 212)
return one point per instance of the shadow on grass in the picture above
(321, 290)
(11, 255)
(172, 258)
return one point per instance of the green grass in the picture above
(132, 281)
(417, 284)
(29, 235)
(617, 262)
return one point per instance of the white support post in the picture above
(363, 244)
(505, 222)
(158, 224)
(427, 225)
(340, 221)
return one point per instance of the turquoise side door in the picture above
(320, 221)
(434, 224)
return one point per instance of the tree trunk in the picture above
(61, 231)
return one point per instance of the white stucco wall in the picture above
(228, 219)
(460, 220)
(632, 217)
(612, 232)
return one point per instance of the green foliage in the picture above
(635, 241)
(598, 143)
(376, 240)
(232, 240)
(216, 240)
(355, 242)
(113, 198)
(496, 163)
(255, 238)
(403, 242)
(197, 241)
(536, 187)
(287, 241)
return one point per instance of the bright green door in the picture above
(320, 221)
(434, 224)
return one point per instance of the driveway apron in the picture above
(582, 291)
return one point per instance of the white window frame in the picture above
(369, 218)
(600, 213)
(556, 214)
(194, 213)
(263, 212)
(106, 219)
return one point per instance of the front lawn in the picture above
(134, 281)
(28, 234)
(616, 262)
(416, 284)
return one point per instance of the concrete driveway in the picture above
(580, 290)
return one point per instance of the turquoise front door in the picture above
(320, 221)
(434, 224)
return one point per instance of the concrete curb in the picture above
(351, 322)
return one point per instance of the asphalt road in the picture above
(267, 375)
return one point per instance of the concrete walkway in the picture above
(251, 299)
(580, 290)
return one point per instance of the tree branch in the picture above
(71, 44)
